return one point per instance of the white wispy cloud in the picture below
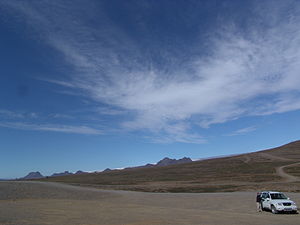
(9, 114)
(61, 116)
(109, 111)
(255, 72)
(243, 131)
(52, 127)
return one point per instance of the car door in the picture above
(263, 197)
(267, 201)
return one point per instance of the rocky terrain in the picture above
(44, 203)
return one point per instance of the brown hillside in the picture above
(277, 168)
(289, 151)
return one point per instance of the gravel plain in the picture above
(41, 203)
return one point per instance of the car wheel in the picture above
(274, 210)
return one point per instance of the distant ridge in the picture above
(167, 161)
(66, 173)
(164, 162)
(33, 175)
(38, 175)
(80, 172)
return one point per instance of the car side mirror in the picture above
(288, 198)
(267, 199)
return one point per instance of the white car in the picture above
(277, 202)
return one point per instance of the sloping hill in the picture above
(268, 169)
(288, 151)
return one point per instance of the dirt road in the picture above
(280, 170)
(33, 203)
(288, 178)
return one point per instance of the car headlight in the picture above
(293, 203)
(279, 204)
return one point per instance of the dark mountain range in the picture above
(167, 161)
(164, 162)
(38, 175)
(66, 173)
(32, 175)
(80, 172)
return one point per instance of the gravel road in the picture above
(36, 203)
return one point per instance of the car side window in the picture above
(265, 195)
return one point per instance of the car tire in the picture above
(273, 209)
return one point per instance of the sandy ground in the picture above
(34, 203)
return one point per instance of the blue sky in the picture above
(94, 84)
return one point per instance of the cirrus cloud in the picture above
(244, 73)
(51, 127)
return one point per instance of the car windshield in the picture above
(278, 196)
